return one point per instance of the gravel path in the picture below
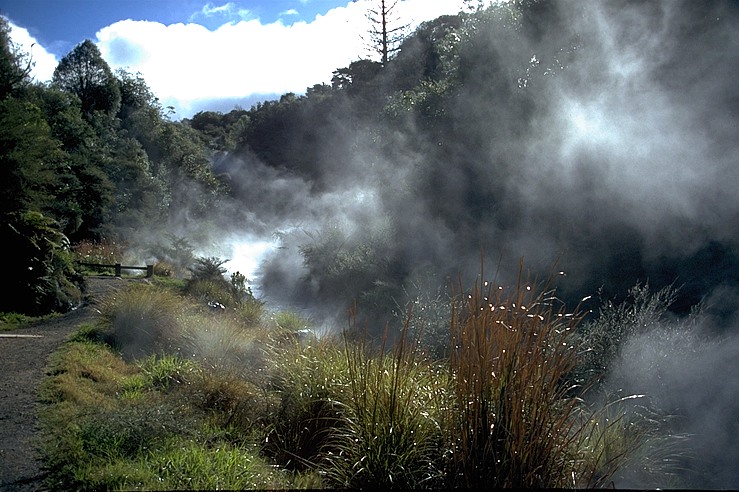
(24, 354)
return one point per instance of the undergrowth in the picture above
(166, 393)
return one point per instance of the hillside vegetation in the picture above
(597, 141)
(165, 392)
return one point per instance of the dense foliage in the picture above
(90, 157)
(447, 140)
(539, 127)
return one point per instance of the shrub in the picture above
(42, 277)
(177, 254)
(429, 308)
(164, 269)
(601, 339)
(105, 251)
(207, 283)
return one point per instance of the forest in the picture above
(596, 144)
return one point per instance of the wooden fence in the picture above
(118, 268)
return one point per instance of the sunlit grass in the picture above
(512, 423)
(13, 321)
(207, 401)
(391, 411)
(161, 423)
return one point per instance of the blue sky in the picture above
(59, 25)
(198, 55)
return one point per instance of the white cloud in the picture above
(228, 11)
(289, 12)
(210, 9)
(185, 64)
(44, 62)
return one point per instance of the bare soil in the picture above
(25, 354)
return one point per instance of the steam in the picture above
(614, 156)
(681, 371)
(603, 138)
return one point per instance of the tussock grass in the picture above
(236, 403)
(162, 371)
(143, 319)
(311, 381)
(250, 313)
(390, 436)
(289, 321)
(512, 423)
(209, 402)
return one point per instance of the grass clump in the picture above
(162, 371)
(512, 420)
(212, 403)
(144, 319)
(311, 381)
(627, 435)
(391, 411)
(289, 321)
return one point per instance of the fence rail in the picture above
(119, 268)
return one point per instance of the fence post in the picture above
(149, 271)
(117, 269)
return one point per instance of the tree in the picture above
(84, 72)
(15, 66)
(29, 157)
(357, 76)
(31, 163)
(84, 195)
(386, 33)
(41, 278)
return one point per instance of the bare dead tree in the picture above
(387, 31)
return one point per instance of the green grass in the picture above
(13, 321)
(391, 435)
(211, 401)
(161, 423)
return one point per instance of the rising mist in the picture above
(600, 137)
(594, 138)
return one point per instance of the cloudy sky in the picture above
(197, 55)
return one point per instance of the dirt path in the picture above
(24, 354)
